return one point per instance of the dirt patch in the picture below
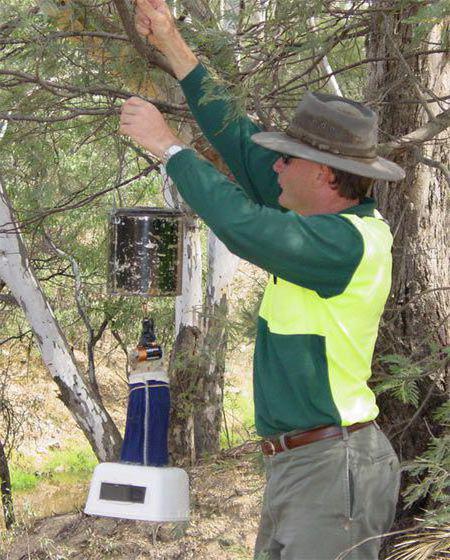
(226, 496)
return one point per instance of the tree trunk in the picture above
(5, 489)
(416, 316)
(208, 417)
(200, 334)
(188, 306)
(185, 376)
(222, 266)
(417, 207)
(16, 272)
(183, 366)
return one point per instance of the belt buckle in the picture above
(271, 451)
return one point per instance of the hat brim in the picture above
(379, 168)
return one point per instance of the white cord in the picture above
(146, 417)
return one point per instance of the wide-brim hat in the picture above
(335, 131)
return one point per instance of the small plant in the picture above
(74, 461)
(429, 473)
(432, 473)
(239, 423)
(402, 380)
(23, 480)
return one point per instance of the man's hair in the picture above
(351, 186)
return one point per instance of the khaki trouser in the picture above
(324, 498)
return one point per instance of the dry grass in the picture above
(225, 503)
(430, 543)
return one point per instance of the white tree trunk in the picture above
(188, 306)
(222, 266)
(16, 272)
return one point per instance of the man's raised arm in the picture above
(250, 164)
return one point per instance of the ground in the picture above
(226, 493)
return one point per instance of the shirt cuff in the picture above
(192, 79)
(183, 158)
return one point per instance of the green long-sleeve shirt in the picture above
(315, 259)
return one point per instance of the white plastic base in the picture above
(136, 492)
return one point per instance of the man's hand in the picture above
(154, 22)
(144, 124)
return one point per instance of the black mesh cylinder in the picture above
(145, 252)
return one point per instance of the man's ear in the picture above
(328, 176)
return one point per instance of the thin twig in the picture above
(346, 552)
(81, 306)
(88, 199)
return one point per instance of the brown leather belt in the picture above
(284, 442)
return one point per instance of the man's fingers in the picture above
(142, 19)
(123, 128)
(134, 101)
(142, 29)
(135, 105)
(142, 23)
(146, 8)
(158, 5)
(129, 117)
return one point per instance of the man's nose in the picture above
(278, 165)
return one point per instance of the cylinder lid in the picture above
(147, 211)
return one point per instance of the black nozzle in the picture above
(148, 333)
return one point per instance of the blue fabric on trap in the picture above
(145, 442)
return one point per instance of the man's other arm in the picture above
(319, 252)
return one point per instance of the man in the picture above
(332, 476)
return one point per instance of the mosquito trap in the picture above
(145, 252)
(142, 486)
(145, 260)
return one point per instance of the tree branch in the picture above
(66, 35)
(91, 90)
(423, 134)
(123, 347)
(73, 114)
(100, 34)
(282, 88)
(435, 164)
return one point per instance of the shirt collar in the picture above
(366, 208)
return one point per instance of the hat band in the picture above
(320, 144)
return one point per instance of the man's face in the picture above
(301, 183)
